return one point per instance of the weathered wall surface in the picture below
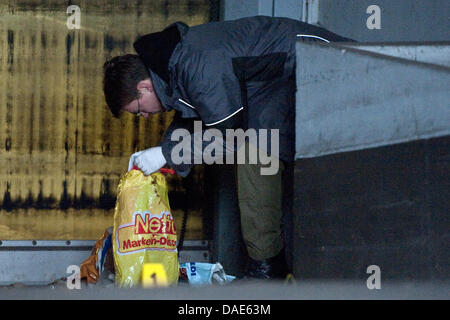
(405, 20)
(372, 162)
(61, 151)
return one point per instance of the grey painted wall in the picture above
(401, 20)
(350, 99)
(235, 9)
(288, 8)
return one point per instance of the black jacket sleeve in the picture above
(170, 140)
(167, 144)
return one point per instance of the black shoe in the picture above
(272, 268)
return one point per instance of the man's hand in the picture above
(148, 161)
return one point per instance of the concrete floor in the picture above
(238, 290)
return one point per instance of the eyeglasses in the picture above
(138, 113)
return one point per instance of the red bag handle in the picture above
(166, 170)
(162, 170)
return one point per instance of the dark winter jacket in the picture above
(231, 74)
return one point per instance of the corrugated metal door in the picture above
(61, 151)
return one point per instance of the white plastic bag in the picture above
(200, 274)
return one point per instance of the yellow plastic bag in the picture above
(144, 230)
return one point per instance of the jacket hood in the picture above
(155, 49)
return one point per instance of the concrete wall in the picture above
(372, 158)
(351, 99)
(372, 126)
(405, 20)
(234, 9)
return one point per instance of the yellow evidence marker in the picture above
(154, 275)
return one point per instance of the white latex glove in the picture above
(148, 161)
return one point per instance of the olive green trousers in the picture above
(260, 204)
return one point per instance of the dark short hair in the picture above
(121, 76)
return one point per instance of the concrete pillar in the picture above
(372, 161)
